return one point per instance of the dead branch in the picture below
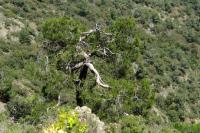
(98, 77)
(86, 64)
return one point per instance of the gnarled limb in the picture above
(77, 66)
(86, 64)
(92, 69)
(98, 77)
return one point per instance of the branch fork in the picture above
(86, 64)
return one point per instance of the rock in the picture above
(1, 130)
(94, 123)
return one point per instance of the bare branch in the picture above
(59, 101)
(77, 66)
(109, 51)
(85, 64)
(89, 32)
(98, 77)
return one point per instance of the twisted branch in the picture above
(86, 64)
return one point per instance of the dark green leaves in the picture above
(64, 31)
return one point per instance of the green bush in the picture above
(124, 32)
(187, 128)
(133, 124)
(66, 122)
(25, 35)
(20, 106)
(62, 31)
(8, 126)
(144, 98)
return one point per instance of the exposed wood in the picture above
(84, 65)
(98, 77)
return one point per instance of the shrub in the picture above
(8, 126)
(61, 31)
(67, 122)
(127, 41)
(132, 124)
(187, 128)
(145, 98)
(20, 106)
(123, 29)
(25, 35)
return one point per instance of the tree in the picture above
(66, 33)
(80, 53)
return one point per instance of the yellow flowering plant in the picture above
(67, 122)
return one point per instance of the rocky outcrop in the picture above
(94, 123)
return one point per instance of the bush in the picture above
(25, 35)
(123, 29)
(132, 124)
(57, 85)
(145, 98)
(61, 31)
(20, 106)
(127, 41)
(67, 122)
(187, 128)
(7, 126)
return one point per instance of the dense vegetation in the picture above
(153, 75)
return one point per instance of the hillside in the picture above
(133, 65)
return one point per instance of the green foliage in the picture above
(8, 126)
(132, 124)
(59, 84)
(64, 31)
(160, 42)
(142, 99)
(187, 128)
(19, 3)
(67, 122)
(25, 35)
(22, 107)
(169, 130)
(123, 97)
(124, 32)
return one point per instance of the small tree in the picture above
(63, 32)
